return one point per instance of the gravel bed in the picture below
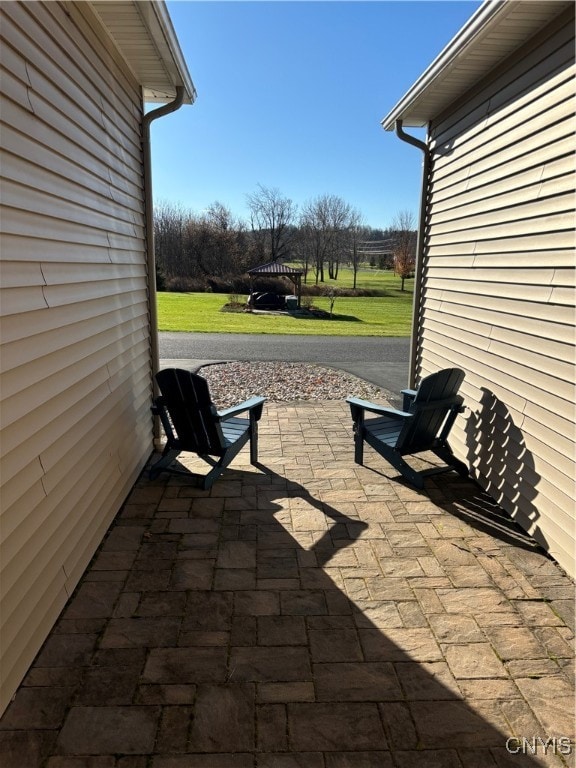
(231, 383)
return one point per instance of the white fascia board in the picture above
(441, 66)
(169, 47)
(142, 32)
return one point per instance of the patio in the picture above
(314, 614)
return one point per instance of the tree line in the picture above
(326, 233)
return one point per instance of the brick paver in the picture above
(310, 613)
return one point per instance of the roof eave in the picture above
(274, 268)
(174, 59)
(145, 38)
(444, 80)
(439, 66)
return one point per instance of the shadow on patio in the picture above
(314, 614)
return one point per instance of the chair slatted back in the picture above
(436, 397)
(187, 399)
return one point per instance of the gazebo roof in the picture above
(274, 268)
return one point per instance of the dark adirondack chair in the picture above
(423, 425)
(192, 423)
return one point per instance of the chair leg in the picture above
(163, 463)
(414, 478)
(209, 479)
(219, 466)
(358, 445)
(254, 442)
(444, 452)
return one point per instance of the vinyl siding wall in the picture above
(498, 282)
(76, 381)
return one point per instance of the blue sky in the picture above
(291, 95)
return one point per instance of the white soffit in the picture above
(495, 30)
(143, 33)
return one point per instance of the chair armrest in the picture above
(254, 403)
(408, 396)
(158, 408)
(366, 405)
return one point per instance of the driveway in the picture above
(380, 360)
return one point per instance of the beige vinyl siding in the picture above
(75, 342)
(498, 281)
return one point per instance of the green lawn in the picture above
(380, 279)
(202, 313)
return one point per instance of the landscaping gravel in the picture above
(231, 383)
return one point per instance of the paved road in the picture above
(379, 360)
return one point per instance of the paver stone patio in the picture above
(306, 613)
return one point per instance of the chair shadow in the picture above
(428, 465)
(505, 468)
(466, 499)
(478, 509)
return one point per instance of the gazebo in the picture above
(275, 269)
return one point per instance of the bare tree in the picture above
(191, 245)
(220, 217)
(215, 241)
(404, 245)
(325, 222)
(169, 226)
(332, 293)
(235, 247)
(301, 251)
(356, 232)
(272, 217)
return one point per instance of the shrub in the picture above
(185, 285)
(320, 290)
(312, 290)
(160, 279)
(241, 285)
(220, 285)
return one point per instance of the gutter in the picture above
(147, 120)
(419, 249)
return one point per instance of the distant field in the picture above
(202, 313)
(373, 279)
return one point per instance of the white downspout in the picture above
(419, 248)
(166, 109)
